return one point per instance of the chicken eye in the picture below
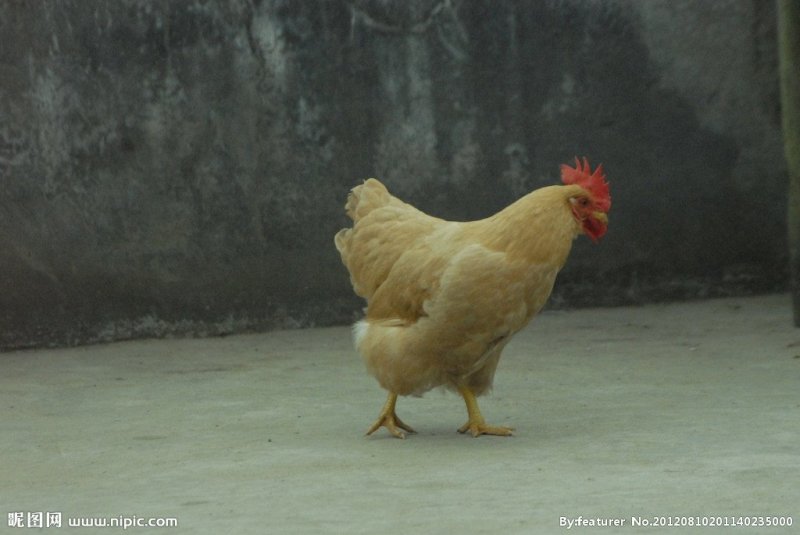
(584, 202)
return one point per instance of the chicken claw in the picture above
(390, 420)
(476, 425)
(480, 428)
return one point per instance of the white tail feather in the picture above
(359, 332)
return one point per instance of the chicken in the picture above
(444, 298)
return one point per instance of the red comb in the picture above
(595, 183)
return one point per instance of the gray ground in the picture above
(683, 409)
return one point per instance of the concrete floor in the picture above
(668, 410)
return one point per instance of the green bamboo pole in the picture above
(789, 56)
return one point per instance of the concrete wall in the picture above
(173, 167)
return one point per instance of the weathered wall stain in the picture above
(180, 167)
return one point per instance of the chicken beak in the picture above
(601, 216)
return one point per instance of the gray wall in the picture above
(173, 167)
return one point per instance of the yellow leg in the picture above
(476, 424)
(389, 419)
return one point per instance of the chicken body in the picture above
(444, 298)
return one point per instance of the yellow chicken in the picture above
(444, 298)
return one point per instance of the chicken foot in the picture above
(389, 419)
(476, 425)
